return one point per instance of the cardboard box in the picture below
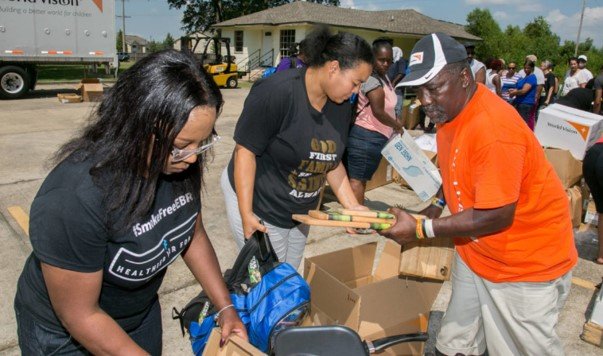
(234, 347)
(414, 166)
(346, 291)
(411, 114)
(567, 128)
(69, 98)
(574, 195)
(568, 168)
(382, 176)
(428, 258)
(91, 89)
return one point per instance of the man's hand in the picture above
(404, 231)
(432, 212)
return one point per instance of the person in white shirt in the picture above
(478, 69)
(574, 77)
(582, 59)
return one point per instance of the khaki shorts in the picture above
(506, 318)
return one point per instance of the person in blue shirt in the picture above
(524, 94)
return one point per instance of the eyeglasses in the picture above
(512, 68)
(179, 155)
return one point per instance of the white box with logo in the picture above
(407, 158)
(560, 126)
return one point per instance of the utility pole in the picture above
(123, 16)
(580, 28)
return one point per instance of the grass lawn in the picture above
(51, 73)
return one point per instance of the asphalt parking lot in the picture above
(31, 129)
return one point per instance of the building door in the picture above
(267, 60)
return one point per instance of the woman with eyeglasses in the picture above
(290, 138)
(121, 204)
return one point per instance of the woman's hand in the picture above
(404, 231)
(231, 324)
(251, 224)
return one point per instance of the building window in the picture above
(238, 35)
(287, 40)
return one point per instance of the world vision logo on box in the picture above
(99, 4)
(582, 129)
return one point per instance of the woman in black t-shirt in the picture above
(121, 205)
(290, 139)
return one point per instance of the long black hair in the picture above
(346, 48)
(130, 135)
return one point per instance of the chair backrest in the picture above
(318, 340)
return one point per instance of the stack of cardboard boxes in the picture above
(567, 133)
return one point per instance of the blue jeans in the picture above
(38, 339)
(524, 111)
(363, 153)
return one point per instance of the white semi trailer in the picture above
(36, 32)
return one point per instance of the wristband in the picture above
(440, 203)
(419, 230)
(429, 229)
(217, 316)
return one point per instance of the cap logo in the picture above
(416, 58)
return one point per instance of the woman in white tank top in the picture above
(493, 67)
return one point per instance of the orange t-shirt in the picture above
(490, 158)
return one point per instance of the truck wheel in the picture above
(232, 82)
(14, 82)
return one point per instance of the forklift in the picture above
(221, 68)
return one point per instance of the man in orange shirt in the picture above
(510, 216)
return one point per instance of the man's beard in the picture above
(436, 114)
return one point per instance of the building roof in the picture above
(131, 39)
(408, 22)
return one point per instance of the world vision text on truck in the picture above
(36, 32)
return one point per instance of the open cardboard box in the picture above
(346, 291)
(568, 168)
(91, 89)
(234, 347)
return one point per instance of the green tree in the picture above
(154, 46)
(541, 40)
(200, 15)
(119, 41)
(168, 43)
(481, 23)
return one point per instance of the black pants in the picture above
(592, 169)
(38, 339)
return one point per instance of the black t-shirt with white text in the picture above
(68, 229)
(295, 145)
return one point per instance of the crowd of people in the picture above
(123, 201)
(535, 86)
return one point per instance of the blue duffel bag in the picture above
(268, 296)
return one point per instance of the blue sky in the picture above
(152, 19)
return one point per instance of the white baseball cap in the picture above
(583, 57)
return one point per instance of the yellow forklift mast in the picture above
(221, 68)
